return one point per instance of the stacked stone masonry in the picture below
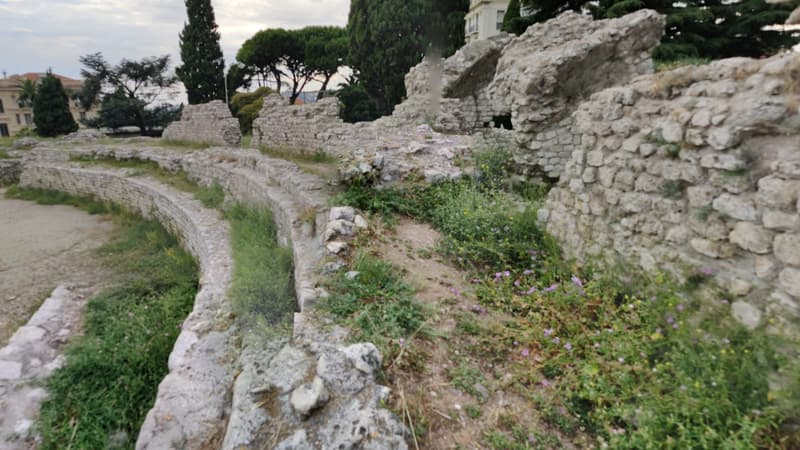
(271, 367)
(209, 123)
(535, 81)
(694, 169)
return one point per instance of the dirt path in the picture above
(40, 248)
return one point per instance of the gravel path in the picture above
(40, 248)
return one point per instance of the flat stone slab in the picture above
(10, 370)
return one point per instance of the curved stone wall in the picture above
(202, 362)
(258, 366)
(697, 168)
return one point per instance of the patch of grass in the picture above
(376, 302)
(184, 145)
(51, 197)
(111, 375)
(317, 156)
(262, 290)
(673, 188)
(664, 66)
(473, 411)
(211, 196)
(246, 140)
(6, 142)
(4, 154)
(704, 213)
(466, 378)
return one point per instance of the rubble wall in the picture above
(209, 123)
(693, 169)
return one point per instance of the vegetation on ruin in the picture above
(4, 154)
(601, 354)
(99, 398)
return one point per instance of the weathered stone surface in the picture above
(746, 314)
(787, 248)
(209, 123)
(309, 396)
(790, 281)
(735, 207)
(752, 238)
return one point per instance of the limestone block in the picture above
(635, 202)
(787, 248)
(647, 183)
(671, 131)
(736, 207)
(711, 249)
(790, 281)
(781, 304)
(309, 396)
(723, 138)
(779, 220)
(700, 196)
(752, 238)
(746, 314)
(765, 267)
(723, 161)
(778, 193)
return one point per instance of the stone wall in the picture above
(201, 364)
(9, 171)
(209, 123)
(694, 169)
(534, 81)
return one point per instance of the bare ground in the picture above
(40, 248)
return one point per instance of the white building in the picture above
(485, 18)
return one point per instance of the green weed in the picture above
(466, 378)
(262, 290)
(112, 373)
(4, 154)
(376, 302)
(211, 196)
(317, 156)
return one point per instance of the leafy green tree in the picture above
(388, 37)
(246, 106)
(325, 52)
(28, 94)
(386, 40)
(709, 29)
(513, 21)
(51, 113)
(203, 67)
(261, 56)
(357, 105)
(133, 87)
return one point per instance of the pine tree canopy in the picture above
(202, 70)
(51, 113)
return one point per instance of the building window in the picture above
(2, 110)
(28, 118)
(500, 15)
(83, 115)
(19, 121)
(4, 130)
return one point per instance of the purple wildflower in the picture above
(577, 281)
(527, 272)
(402, 342)
(545, 383)
(506, 274)
(531, 439)
(681, 307)
(531, 290)
(456, 292)
(556, 340)
(525, 352)
(670, 320)
(498, 275)
(516, 283)
(568, 346)
(551, 288)
(548, 332)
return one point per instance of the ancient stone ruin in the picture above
(693, 169)
(210, 123)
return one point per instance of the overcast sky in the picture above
(41, 34)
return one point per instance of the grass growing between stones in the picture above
(601, 356)
(262, 290)
(99, 398)
(375, 301)
(4, 154)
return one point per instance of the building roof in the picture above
(35, 76)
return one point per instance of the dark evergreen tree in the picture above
(513, 21)
(51, 108)
(708, 29)
(202, 71)
(388, 37)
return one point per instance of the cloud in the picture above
(55, 33)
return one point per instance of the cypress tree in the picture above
(51, 108)
(202, 69)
